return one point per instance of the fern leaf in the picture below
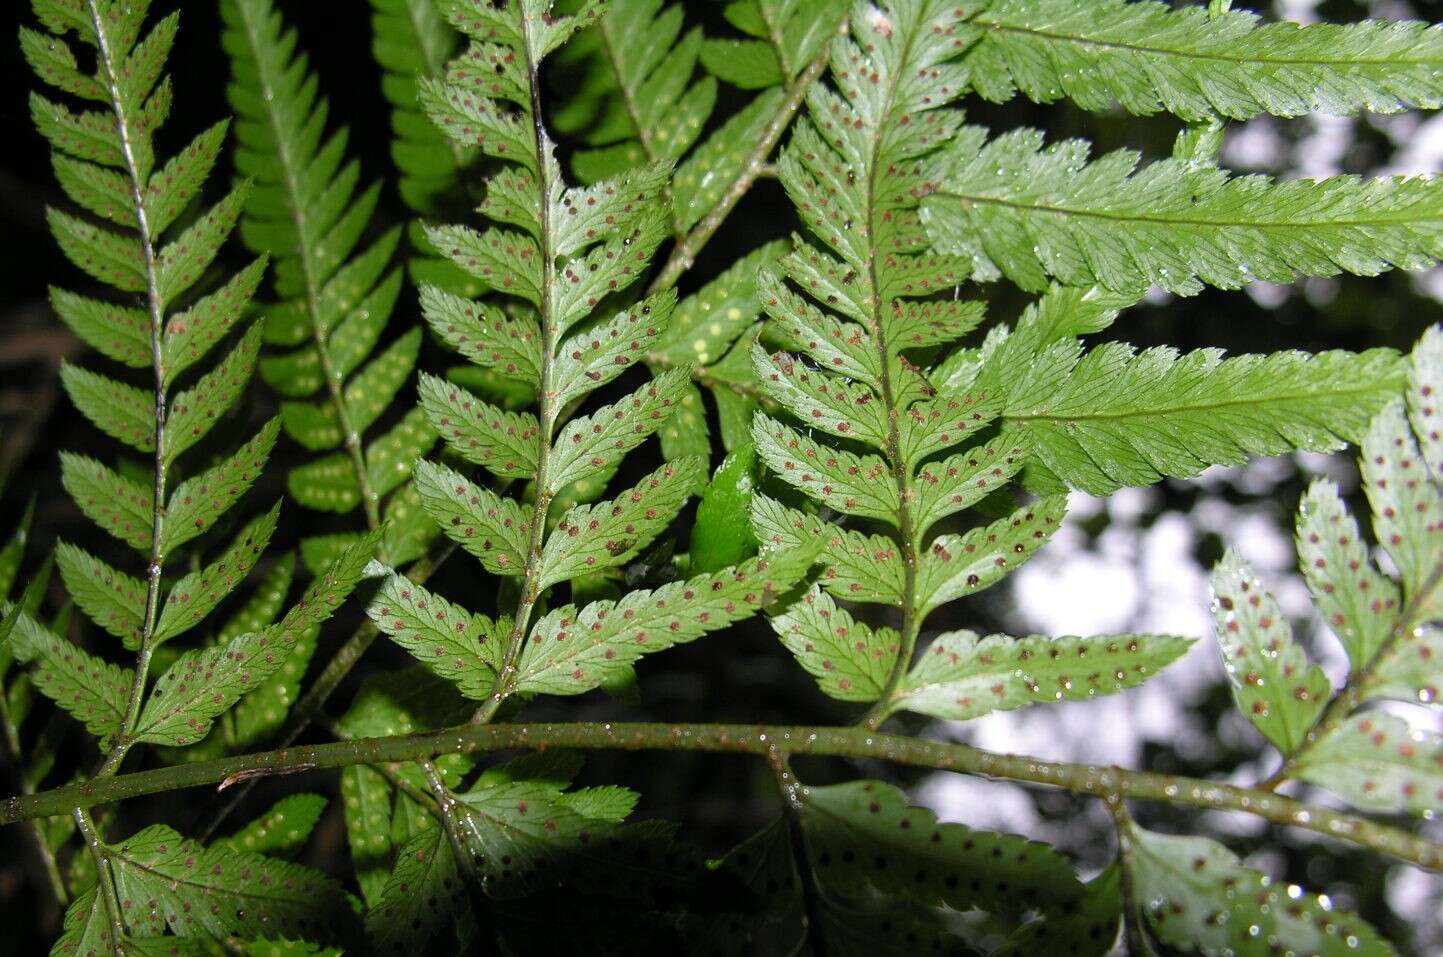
(419, 896)
(1377, 762)
(1207, 900)
(118, 332)
(1149, 57)
(574, 651)
(90, 689)
(822, 401)
(121, 411)
(182, 261)
(306, 208)
(456, 644)
(485, 335)
(1425, 382)
(1030, 211)
(1274, 684)
(1406, 504)
(205, 683)
(193, 597)
(281, 831)
(1359, 604)
(960, 481)
(241, 893)
(707, 331)
(598, 441)
(958, 565)
(121, 507)
(178, 182)
(644, 104)
(851, 827)
(962, 676)
(856, 566)
(194, 412)
(112, 599)
(494, 528)
(106, 162)
(198, 502)
(1121, 417)
(367, 797)
(603, 354)
(189, 335)
(850, 660)
(592, 538)
(505, 443)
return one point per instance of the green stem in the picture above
(103, 877)
(547, 412)
(852, 742)
(42, 846)
(791, 791)
(1134, 927)
(907, 534)
(155, 305)
(685, 253)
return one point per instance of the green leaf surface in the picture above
(596, 442)
(591, 538)
(281, 831)
(1199, 896)
(1032, 211)
(850, 660)
(1113, 416)
(458, 645)
(1196, 63)
(1378, 763)
(962, 675)
(121, 411)
(1407, 506)
(573, 651)
(91, 690)
(1275, 685)
(196, 595)
(112, 599)
(494, 528)
(723, 533)
(197, 503)
(121, 507)
(856, 835)
(1358, 603)
(958, 565)
(194, 412)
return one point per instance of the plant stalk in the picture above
(851, 742)
(155, 306)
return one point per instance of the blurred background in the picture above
(1135, 562)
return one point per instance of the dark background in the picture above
(743, 675)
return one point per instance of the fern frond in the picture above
(560, 256)
(638, 103)
(1111, 416)
(412, 41)
(1026, 210)
(1373, 760)
(845, 306)
(1149, 56)
(201, 893)
(305, 208)
(150, 238)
